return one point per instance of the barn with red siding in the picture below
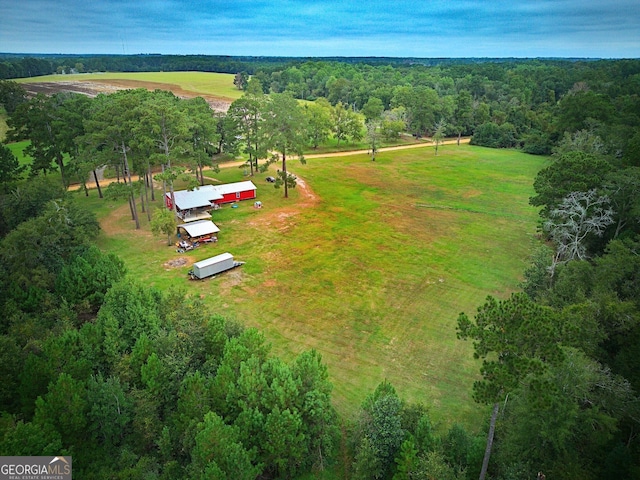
(194, 204)
(233, 192)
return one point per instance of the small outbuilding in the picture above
(211, 266)
(201, 230)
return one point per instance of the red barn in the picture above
(232, 192)
(192, 204)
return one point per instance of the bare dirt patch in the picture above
(281, 218)
(90, 89)
(471, 193)
(307, 196)
(229, 280)
(178, 262)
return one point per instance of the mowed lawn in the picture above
(372, 270)
(204, 83)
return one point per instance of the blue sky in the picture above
(416, 28)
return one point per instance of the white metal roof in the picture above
(226, 188)
(210, 261)
(203, 196)
(196, 198)
(200, 228)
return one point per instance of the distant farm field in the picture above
(370, 264)
(218, 85)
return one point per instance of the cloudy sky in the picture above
(414, 28)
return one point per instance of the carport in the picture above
(200, 231)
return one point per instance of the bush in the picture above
(495, 136)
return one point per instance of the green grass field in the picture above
(372, 272)
(204, 83)
(17, 150)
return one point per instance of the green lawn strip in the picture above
(368, 276)
(17, 149)
(217, 84)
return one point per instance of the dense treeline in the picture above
(174, 391)
(561, 360)
(503, 103)
(528, 104)
(20, 66)
(13, 66)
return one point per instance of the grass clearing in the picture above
(17, 148)
(372, 271)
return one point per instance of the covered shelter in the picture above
(199, 231)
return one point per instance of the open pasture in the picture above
(370, 263)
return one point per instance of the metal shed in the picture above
(200, 228)
(211, 266)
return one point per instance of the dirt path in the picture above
(103, 183)
(387, 149)
(348, 153)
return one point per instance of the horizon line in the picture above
(549, 57)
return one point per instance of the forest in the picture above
(140, 383)
(20, 66)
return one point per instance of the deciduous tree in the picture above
(570, 172)
(34, 120)
(372, 110)
(164, 222)
(579, 216)
(346, 123)
(374, 135)
(12, 94)
(438, 134)
(319, 121)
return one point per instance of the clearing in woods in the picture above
(369, 263)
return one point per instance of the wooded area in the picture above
(102, 368)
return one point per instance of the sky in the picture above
(321, 28)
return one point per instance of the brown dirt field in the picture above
(92, 88)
